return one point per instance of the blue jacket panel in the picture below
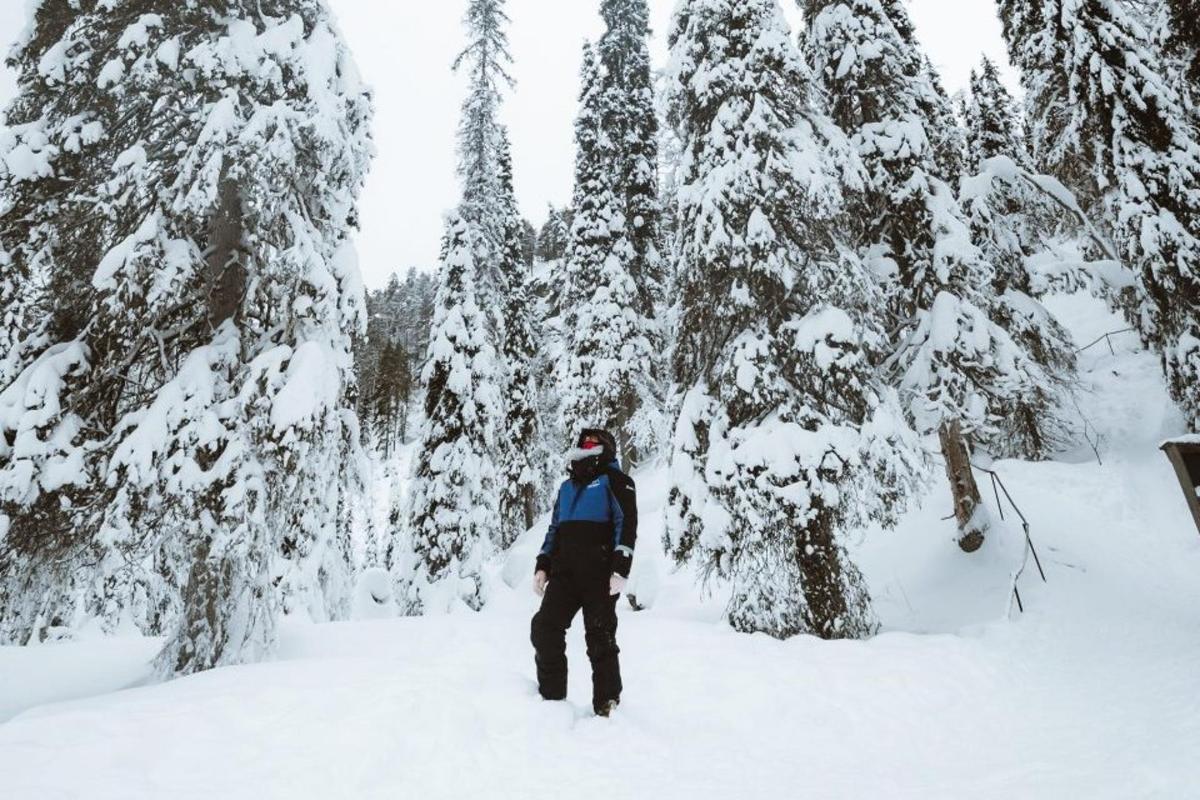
(594, 503)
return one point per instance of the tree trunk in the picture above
(530, 510)
(226, 279)
(968, 510)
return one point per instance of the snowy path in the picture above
(1093, 693)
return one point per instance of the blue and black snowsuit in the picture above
(592, 534)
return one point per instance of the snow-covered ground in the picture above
(1093, 692)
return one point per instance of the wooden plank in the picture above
(1185, 458)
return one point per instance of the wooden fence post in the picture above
(1185, 457)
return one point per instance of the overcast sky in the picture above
(404, 50)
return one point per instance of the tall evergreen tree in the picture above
(632, 129)
(389, 398)
(1014, 219)
(1181, 29)
(1106, 119)
(960, 373)
(481, 142)
(946, 133)
(454, 509)
(179, 443)
(529, 239)
(992, 120)
(389, 358)
(554, 236)
(521, 452)
(551, 280)
(606, 374)
(415, 317)
(783, 442)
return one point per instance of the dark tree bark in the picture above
(226, 273)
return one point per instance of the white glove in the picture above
(616, 584)
(540, 579)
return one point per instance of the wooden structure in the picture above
(1185, 457)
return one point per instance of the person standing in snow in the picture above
(584, 563)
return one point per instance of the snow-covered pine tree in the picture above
(415, 315)
(670, 150)
(454, 511)
(606, 373)
(632, 126)
(1180, 26)
(959, 372)
(554, 235)
(946, 132)
(993, 120)
(21, 297)
(550, 285)
(521, 449)
(528, 242)
(1106, 119)
(481, 140)
(523, 452)
(389, 358)
(783, 443)
(168, 446)
(1013, 219)
(946, 137)
(389, 398)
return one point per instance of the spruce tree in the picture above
(554, 236)
(1181, 38)
(946, 133)
(415, 316)
(784, 443)
(551, 280)
(1106, 119)
(606, 375)
(992, 120)
(524, 459)
(960, 373)
(488, 207)
(481, 142)
(1012, 220)
(389, 398)
(632, 129)
(454, 511)
(388, 359)
(520, 446)
(529, 237)
(179, 442)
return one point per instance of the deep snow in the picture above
(1093, 692)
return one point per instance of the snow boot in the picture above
(606, 708)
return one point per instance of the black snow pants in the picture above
(579, 577)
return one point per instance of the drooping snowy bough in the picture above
(179, 447)
(784, 442)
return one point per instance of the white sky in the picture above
(404, 49)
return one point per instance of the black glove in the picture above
(622, 562)
(543, 564)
